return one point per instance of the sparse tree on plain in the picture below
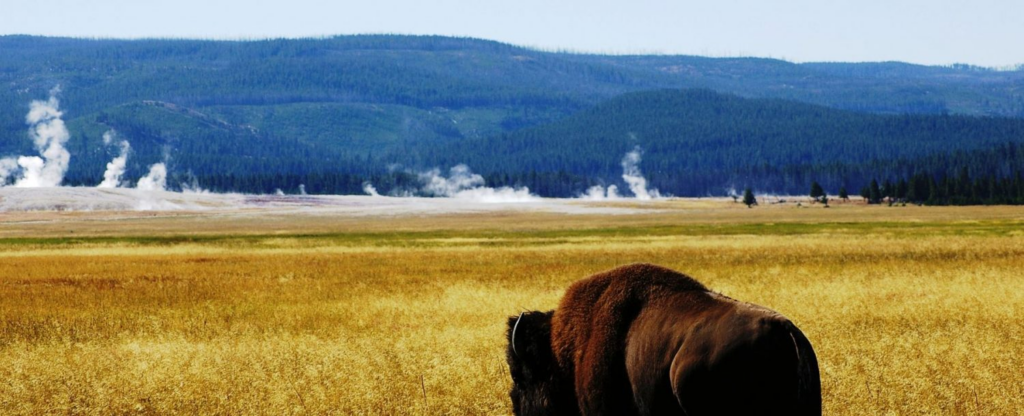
(874, 193)
(816, 191)
(748, 198)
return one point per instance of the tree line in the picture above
(962, 189)
(926, 189)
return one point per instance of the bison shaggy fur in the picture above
(645, 340)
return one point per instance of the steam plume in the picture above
(370, 189)
(191, 185)
(155, 180)
(459, 178)
(636, 181)
(600, 193)
(463, 183)
(49, 134)
(633, 177)
(112, 176)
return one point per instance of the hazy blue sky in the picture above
(982, 32)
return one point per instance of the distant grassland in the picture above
(911, 311)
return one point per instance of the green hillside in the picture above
(246, 115)
(699, 142)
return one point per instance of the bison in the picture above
(645, 340)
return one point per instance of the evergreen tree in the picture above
(888, 190)
(843, 195)
(874, 193)
(960, 189)
(901, 189)
(816, 191)
(748, 198)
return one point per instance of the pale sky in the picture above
(980, 32)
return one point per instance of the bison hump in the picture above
(600, 308)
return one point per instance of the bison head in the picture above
(537, 386)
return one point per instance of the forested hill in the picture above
(698, 142)
(251, 115)
(694, 143)
(454, 73)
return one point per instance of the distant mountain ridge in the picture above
(354, 104)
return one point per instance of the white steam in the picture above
(633, 177)
(463, 183)
(636, 181)
(192, 186)
(32, 173)
(49, 134)
(496, 195)
(459, 178)
(600, 193)
(369, 189)
(155, 180)
(112, 176)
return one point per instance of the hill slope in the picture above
(694, 142)
(481, 87)
(699, 142)
(249, 115)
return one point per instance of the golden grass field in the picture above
(912, 311)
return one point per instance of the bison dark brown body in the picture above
(645, 340)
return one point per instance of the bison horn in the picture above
(514, 328)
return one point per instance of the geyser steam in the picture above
(112, 176)
(633, 177)
(369, 189)
(155, 180)
(49, 134)
(636, 181)
(463, 183)
(599, 193)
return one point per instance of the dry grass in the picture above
(919, 314)
(290, 222)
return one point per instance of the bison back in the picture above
(590, 327)
(746, 360)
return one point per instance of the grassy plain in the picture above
(911, 310)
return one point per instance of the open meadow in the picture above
(911, 310)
